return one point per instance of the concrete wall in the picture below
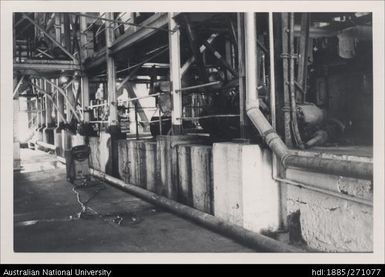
(137, 163)
(164, 167)
(167, 157)
(329, 223)
(244, 191)
(234, 182)
(195, 176)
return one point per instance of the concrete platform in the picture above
(46, 218)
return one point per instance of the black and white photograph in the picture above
(175, 130)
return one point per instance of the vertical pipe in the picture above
(48, 113)
(136, 120)
(48, 105)
(160, 118)
(275, 164)
(15, 115)
(303, 47)
(67, 32)
(59, 120)
(111, 74)
(272, 84)
(66, 136)
(83, 37)
(58, 27)
(251, 60)
(285, 65)
(272, 70)
(70, 101)
(38, 119)
(85, 97)
(241, 77)
(175, 77)
(60, 104)
(43, 98)
(84, 78)
(294, 123)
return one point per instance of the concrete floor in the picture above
(46, 217)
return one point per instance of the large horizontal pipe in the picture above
(347, 168)
(249, 238)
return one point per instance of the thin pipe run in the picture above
(198, 86)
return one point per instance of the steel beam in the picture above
(132, 94)
(202, 49)
(27, 68)
(195, 50)
(49, 37)
(130, 38)
(156, 21)
(18, 86)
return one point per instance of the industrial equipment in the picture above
(77, 164)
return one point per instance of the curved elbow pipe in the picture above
(289, 158)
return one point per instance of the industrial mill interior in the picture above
(193, 132)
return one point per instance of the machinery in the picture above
(77, 164)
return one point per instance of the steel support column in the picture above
(241, 77)
(111, 72)
(48, 113)
(175, 76)
(251, 60)
(66, 135)
(43, 111)
(16, 143)
(84, 79)
(59, 121)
